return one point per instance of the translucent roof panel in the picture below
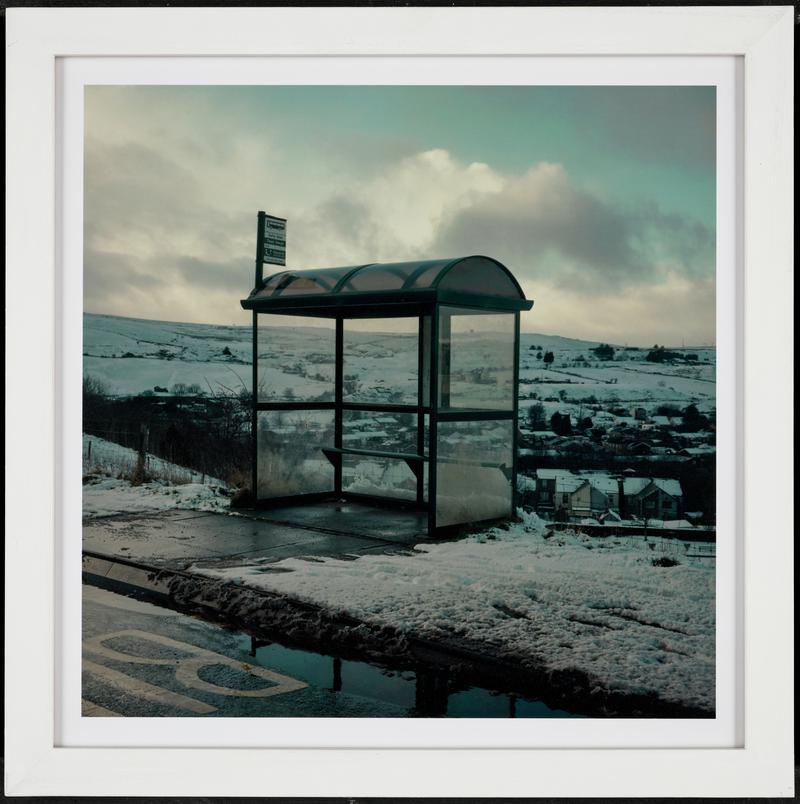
(480, 275)
(477, 277)
(296, 283)
(394, 276)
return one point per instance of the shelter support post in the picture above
(421, 363)
(433, 394)
(254, 418)
(515, 431)
(339, 398)
(262, 216)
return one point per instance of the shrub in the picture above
(604, 352)
(665, 561)
(561, 425)
(536, 416)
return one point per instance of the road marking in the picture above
(97, 645)
(187, 673)
(147, 691)
(187, 669)
(91, 709)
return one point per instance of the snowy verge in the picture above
(106, 496)
(107, 491)
(600, 607)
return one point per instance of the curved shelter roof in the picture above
(381, 289)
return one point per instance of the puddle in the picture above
(424, 692)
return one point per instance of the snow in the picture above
(669, 486)
(552, 474)
(100, 455)
(565, 485)
(110, 496)
(566, 481)
(107, 488)
(599, 606)
(166, 354)
(595, 604)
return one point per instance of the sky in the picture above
(600, 200)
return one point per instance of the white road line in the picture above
(147, 691)
(187, 669)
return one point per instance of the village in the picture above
(637, 452)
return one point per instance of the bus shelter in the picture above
(427, 420)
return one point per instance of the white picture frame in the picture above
(761, 37)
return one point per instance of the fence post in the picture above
(139, 473)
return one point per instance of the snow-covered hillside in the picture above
(132, 356)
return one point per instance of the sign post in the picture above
(271, 245)
(271, 248)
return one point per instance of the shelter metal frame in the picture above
(433, 338)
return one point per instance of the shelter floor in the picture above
(179, 538)
(387, 524)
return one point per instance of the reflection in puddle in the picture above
(425, 692)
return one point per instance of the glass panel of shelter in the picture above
(475, 390)
(381, 362)
(296, 362)
(476, 359)
(381, 367)
(291, 436)
(289, 447)
(473, 471)
(475, 376)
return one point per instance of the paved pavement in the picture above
(178, 538)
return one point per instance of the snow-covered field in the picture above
(132, 356)
(107, 488)
(600, 606)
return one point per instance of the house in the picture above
(666, 422)
(582, 501)
(639, 414)
(697, 452)
(607, 498)
(546, 487)
(659, 499)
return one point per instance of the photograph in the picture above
(399, 401)
(399, 388)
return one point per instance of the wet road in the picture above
(141, 660)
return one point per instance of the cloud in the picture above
(670, 312)
(541, 225)
(170, 231)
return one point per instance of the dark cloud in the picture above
(344, 231)
(545, 227)
(674, 126)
